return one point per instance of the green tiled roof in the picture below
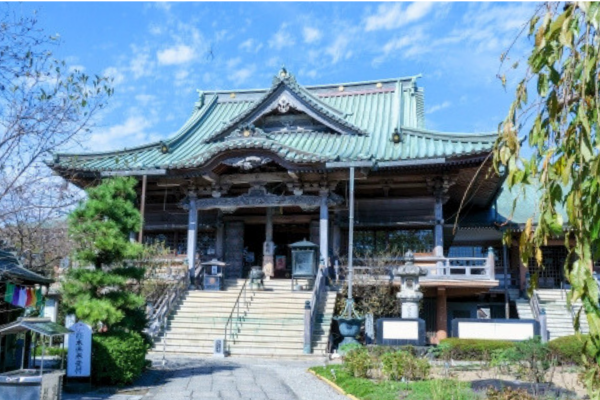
(12, 270)
(528, 202)
(361, 116)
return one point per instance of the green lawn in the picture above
(365, 389)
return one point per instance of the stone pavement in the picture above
(186, 378)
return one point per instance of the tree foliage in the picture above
(45, 106)
(101, 226)
(108, 292)
(556, 109)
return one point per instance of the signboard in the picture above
(79, 357)
(495, 329)
(280, 263)
(304, 262)
(218, 349)
(401, 331)
(50, 309)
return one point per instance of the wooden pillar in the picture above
(143, 207)
(438, 233)
(337, 236)
(192, 234)
(324, 230)
(269, 246)
(220, 237)
(439, 188)
(514, 249)
(441, 314)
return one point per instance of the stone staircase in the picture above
(273, 325)
(558, 315)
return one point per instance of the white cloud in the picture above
(403, 47)
(281, 39)
(233, 62)
(74, 68)
(116, 75)
(179, 54)
(128, 134)
(273, 62)
(438, 107)
(163, 5)
(182, 74)
(145, 99)
(140, 65)
(156, 29)
(251, 46)
(311, 35)
(392, 16)
(241, 75)
(338, 50)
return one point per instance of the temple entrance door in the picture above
(283, 236)
(254, 237)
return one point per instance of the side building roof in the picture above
(11, 269)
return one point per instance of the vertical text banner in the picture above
(79, 356)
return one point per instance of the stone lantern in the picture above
(410, 294)
(213, 274)
(304, 261)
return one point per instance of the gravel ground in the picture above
(222, 379)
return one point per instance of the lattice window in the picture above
(377, 241)
(550, 274)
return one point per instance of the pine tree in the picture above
(105, 290)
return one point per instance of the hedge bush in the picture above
(403, 364)
(358, 362)
(568, 349)
(118, 358)
(472, 349)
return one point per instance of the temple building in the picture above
(253, 171)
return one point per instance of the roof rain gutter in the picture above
(410, 163)
(350, 164)
(148, 172)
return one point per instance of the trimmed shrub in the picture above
(403, 364)
(472, 349)
(118, 358)
(358, 362)
(568, 349)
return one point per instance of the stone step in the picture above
(279, 343)
(210, 333)
(180, 319)
(238, 347)
(251, 313)
(276, 353)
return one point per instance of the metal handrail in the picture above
(534, 303)
(236, 310)
(314, 302)
(158, 315)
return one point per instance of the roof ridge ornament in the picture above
(200, 102)
(284, 76)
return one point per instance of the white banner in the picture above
(79, 356)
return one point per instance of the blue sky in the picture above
(160, 53)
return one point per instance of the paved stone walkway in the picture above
(224, 379)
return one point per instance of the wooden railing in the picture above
(237, 315)
(312, 309)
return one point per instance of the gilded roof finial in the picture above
(283, 72)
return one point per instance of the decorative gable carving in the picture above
(287, 107)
